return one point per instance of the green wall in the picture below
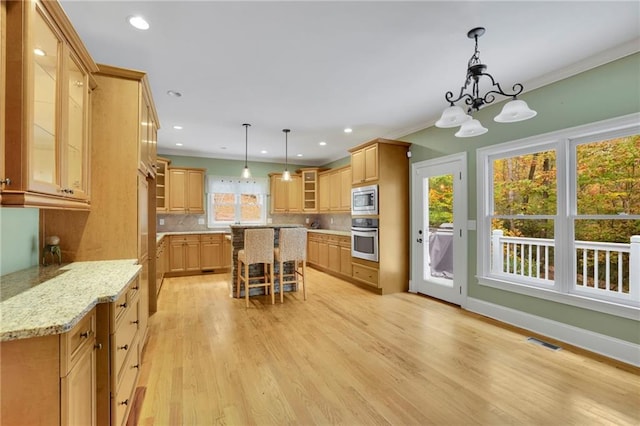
(220, 167)
(608, 91)
(18, 239)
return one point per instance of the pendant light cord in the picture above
(246, 142)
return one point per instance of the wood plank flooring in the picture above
(349, 357)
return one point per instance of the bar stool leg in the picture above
(246, 284)
(304, 274)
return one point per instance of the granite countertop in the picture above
(160, 235)
(331, 232)
(42, 301)
(268, 225)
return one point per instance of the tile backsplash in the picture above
(190, 222)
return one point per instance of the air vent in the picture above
(543, 343)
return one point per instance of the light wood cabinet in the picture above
(186, 190)
(310, 190)
(3, 70)
(162, 253)
(226, 251)
(118, 365)
(211, 251)
(148, 137)
(47, 114)
(162, 185)
(364, 164)
(184, 253)
(51, 379)
(286, 196)
(330, 252)
(385, 163)
(335, 190)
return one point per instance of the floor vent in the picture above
(543, 343)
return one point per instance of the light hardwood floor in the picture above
(349, 357)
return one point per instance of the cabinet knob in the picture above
(125, 402)
(5, 181)
(136, 366)
(123, 305)
(85, 334)
(125, 347)
(135, 322)
(98, 346)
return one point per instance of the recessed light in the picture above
(298, 155)
(264, 151)
(177, 127)
(174, 93)
(39, 52)
(348, 130)
(138, 22)
(178, 144)
(323, 143)
(223, 147)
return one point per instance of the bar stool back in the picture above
(292, 248)
(258, 248)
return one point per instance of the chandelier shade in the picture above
(454, 115)
(515, 110)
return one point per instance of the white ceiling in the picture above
(381, 68)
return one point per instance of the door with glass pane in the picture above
(439, 218)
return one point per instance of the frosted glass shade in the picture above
(246, 173)
(471, 128)
(452, 117)
(286, 176)
(515, 110)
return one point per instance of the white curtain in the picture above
(236, 185)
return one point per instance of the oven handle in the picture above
(371, 230)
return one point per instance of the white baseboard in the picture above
(611, 347)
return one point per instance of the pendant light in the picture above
(286, 176)
(454, 116)
(246, 173)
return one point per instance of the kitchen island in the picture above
(237, 244)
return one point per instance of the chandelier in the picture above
(454, 116)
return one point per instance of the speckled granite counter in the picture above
(41, 301)
(160, 235)
(331, 232)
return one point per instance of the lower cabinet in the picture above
(118, 364)
(365, 272)
(162, 254)
(195, 253)
(51, 379)
(330, 252)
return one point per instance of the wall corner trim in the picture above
(611, 347)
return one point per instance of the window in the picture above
(558, 214)
(234, 200)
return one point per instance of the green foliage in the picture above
(440, 200)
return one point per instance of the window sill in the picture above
(579, 301)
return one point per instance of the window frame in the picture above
(564, 142)
(238, 189)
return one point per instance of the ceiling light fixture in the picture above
(323, 143)
(174, 93)
(177, 127)
(138, 22)
(178, 144)
(264, 151)
(453, 116)
(246, 173)
(286, 176)
(348, 130)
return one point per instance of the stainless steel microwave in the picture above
(364, 200)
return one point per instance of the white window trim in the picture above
(236, 185)
(562, 141)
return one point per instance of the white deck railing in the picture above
(599, 266)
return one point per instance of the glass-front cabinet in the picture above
(47, 121)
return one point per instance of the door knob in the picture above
(419, 240)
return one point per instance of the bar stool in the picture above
(292, 248)
(258, 248)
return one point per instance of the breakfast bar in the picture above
(237, 244)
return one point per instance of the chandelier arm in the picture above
(517, 88)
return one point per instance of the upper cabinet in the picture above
(364, 164)
(162, 185)
(310, 190)
(186, 191)
(286, 196)
(3, 69)
(47, 119)
(335, 190)
(147, 151)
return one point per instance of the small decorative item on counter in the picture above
(52, 247)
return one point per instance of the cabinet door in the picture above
(325, 192)
(162, 186)
(294, 194)
(210, 252)
(371, 163)
(345, 189)
(345, 260)
(78, 391)
(44, 172)
(310, 191)
(334, 197)
(74, 146)
(334, 257)
(323, 254)
(312, 251)
(278, 195)
(143, 142)
(177, 260)
(143, 312)
(357, 167)
(195, 191)
(177, 196)
(192, 256)
(226, 252)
